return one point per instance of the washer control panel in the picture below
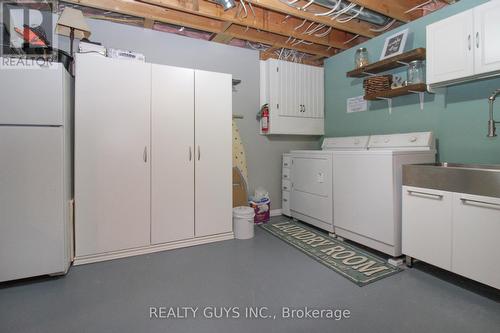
(346, 143)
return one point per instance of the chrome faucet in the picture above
(492, 123)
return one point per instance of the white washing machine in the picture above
(367, 188)
(311, 196)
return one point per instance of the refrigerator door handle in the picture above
(145, 154)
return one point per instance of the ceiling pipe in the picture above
(226, 4)
(366, 15)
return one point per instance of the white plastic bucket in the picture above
(243, 222)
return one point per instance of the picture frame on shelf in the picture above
(394, 44)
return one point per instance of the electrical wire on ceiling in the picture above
(350, 40)
(258, 46)
(421, 6)
(384, 28)
(240, 7)
(342, 11)
(290, 55)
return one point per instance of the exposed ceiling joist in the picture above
(165, 15)
(154, 13)
(392, 8)
(272, 55)
(355, 26)
(222, 37)
(263, 20)
(256, 36)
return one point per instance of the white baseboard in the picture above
(275, 212)
(150, 249)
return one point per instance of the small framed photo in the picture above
(394, 44)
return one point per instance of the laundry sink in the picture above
(478, 179)
(485, 167)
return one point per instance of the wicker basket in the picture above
(377, 84)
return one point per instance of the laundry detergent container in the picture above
(243, 223)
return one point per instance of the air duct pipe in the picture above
(365, 15)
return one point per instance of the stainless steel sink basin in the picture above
(486, 167)
(479, 179)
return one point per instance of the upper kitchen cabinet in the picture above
(463, 47)
(294, 93)
(486, 31)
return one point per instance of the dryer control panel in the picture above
(406, 141)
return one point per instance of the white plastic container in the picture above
(243, 222)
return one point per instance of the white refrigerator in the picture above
(35, 171)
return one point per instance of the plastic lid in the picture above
(243, 211)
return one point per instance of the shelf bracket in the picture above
(369, 74)
(389, 103)
(420, 98)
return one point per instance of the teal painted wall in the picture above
(458, 117)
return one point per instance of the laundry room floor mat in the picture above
(350, 261)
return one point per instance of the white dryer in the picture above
(367, 188)
(311, 196)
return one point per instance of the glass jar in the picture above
(416, 72)
(361, 57)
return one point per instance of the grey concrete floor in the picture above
(115, 296)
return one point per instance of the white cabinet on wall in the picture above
(295, 95)
(146, 169)
(454, 231)
(464, 47)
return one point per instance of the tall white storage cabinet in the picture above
(172, 188)
(152, 171)
(213, 134)
(112, 170)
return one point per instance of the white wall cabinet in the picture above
(295, 94)
(152, 171)
(464, 47)
(454, 231)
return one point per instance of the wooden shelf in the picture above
(389, 63)
(410, 89)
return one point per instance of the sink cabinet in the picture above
(427, 214)
(476, 228)
(454, 231)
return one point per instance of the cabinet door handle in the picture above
(480, 203)
(469, 42)
(426, 195)
(190, 154)
(199, 153)
(145, 154)
(285, 200)
(477, 39)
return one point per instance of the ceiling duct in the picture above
(226, 4)
(365, 15)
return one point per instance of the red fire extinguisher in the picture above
(264, 120)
